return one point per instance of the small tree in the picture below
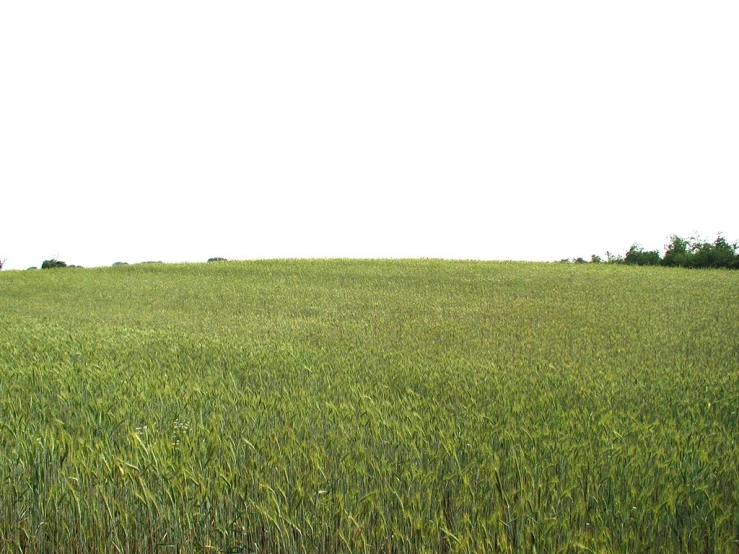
(678, 252)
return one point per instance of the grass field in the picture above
(369, 406)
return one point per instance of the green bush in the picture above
(52, 264)
(717, 254)
(677, 252)
(638, 256)
(694, 252)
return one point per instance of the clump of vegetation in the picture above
(697, 253)
(217, 260)
(119, 263)
(636, 255)
(52, 264)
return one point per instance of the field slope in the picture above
(369, 406)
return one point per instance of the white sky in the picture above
(535, 130)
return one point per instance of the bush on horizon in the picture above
(52, 264)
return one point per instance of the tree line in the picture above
(679, 252)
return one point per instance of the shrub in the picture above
(217, 260)
(53, 263)
(638, 256)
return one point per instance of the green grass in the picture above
(369, 406)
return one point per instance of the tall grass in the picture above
(369, 406)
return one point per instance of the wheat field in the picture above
(369, 406)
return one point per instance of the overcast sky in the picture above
(531, 130)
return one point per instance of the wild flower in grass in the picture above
(181, 428)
